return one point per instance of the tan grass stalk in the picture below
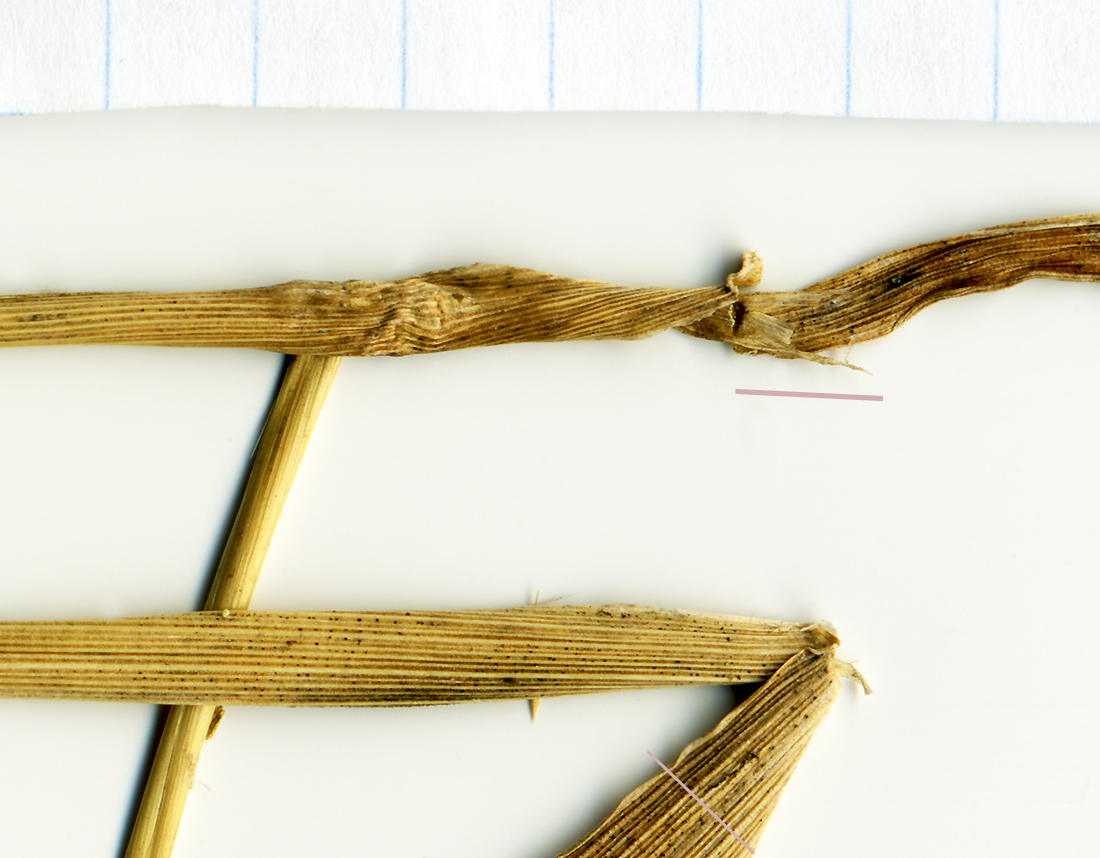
(483, 305)
(738, 770)
(478, 305)
(274, 465)
(391, 659)
(874, 298)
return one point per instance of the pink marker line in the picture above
(686, 789)
(805, 394)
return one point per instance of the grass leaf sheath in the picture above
(483, 305)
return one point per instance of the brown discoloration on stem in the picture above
(392, 658)
(873, 299)
(215, 720)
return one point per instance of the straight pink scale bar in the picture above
(703, 804)
(805, 394)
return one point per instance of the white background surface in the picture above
(948, 531)
(1014, 60)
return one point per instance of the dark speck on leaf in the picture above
(901, 279)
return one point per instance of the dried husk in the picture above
(392, 658)
(483, 305)
(738, 770)
(873, 299)
(478, 305)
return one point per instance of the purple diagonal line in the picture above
(702, 804)
(805, 394)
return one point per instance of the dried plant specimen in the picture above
(462, 308)
(738, 770)
(483, 305)
(874, 298)
(275, 463)
(393, 658)
(479, 305)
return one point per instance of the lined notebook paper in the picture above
(945, 59)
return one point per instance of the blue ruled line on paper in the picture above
(848, 58)
(550, 78)
(404, 48)
(699, 56)
(107, 56)
(996, 58)
(255, 49)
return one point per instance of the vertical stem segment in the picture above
(275, 463)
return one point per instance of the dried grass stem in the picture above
(391, 659)
(483, 305)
